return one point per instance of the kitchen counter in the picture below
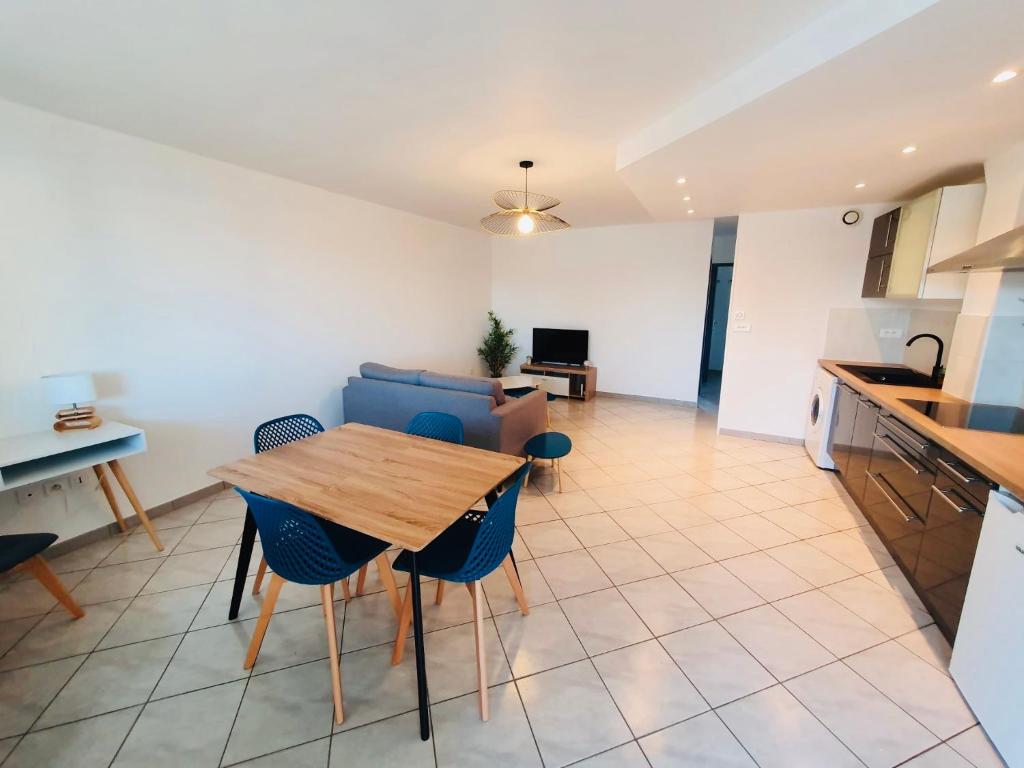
(997, 455)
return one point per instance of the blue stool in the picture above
(549, 445)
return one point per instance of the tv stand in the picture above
(578, 382)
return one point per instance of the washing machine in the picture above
(818, 439)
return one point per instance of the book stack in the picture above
(83, 417)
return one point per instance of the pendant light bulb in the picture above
(525, 224)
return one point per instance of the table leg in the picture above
(122, 479)
(421, 661)
(242, 569)
(111, 500)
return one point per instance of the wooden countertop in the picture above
(998, 456)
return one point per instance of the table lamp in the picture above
(72, 389)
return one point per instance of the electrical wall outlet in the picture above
(28, 493)
(77, 480)
(740, 315)
(890, 333)
(741, 327)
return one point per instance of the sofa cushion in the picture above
(387, 373)
(499, 392)
(463, 384)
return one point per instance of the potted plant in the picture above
(497, 348)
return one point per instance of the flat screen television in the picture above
(556, 345)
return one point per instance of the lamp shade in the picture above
(66, 388)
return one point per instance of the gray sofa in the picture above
(389, 397)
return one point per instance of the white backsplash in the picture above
(853, 334)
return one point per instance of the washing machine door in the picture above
(814, 414)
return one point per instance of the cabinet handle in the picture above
(873, 477)
(948, 500)
(920, 446)
(884, 440)
(956, 475)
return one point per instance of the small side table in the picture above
(549, 445)
(32, 458)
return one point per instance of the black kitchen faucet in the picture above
(937, 369)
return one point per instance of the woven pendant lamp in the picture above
(522, 212)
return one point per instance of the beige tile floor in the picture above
(697, 600)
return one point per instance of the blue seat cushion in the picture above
(19, 547)
(352, 546)
(448, 552)
(548, 445)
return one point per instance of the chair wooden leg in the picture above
(439, 594)
(332, 645)
(517, 586)
(345, 592)
(111, 499)
(122, 479)
(526, 478)
(559, 466)
(481, 660)
(276, 582)
(403, 627)
(260, 573)
(361, 580)
(39, 568)
(388, 577)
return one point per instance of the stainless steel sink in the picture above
(902, 375)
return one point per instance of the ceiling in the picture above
(429, 107)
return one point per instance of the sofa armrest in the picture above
(521, 418)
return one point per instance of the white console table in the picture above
(27, 459)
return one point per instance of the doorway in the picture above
(716, 315)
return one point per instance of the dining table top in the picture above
(399, 488)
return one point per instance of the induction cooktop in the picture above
(988, 418)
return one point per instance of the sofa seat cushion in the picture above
(489, 387)
(387, 373)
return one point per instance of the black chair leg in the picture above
(242, 570)
(421, 660)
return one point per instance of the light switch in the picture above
(741, 327)
(890, 333)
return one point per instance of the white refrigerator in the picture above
(988, 656)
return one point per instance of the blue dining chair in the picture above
(471, 548)
(287, 429)
(439, 426)
(23, 552)
(306, 549)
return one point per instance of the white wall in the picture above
(640, 291)
(791, 269)
(207, 298)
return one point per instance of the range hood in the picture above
(1005, 252)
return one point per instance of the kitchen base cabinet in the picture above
(925, 506)
(860, 448)
(845, 414)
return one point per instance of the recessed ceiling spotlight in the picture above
(859, 185)
(691, 211)
(1005, 75)
(909, 149)
(687, 198)
(681, 180)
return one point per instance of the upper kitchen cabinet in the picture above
(934, 227)
(883, 233)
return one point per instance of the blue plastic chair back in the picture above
(286, 429)
(439, 426)
(494, 537)
(294, 543)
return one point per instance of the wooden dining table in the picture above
(395, 487)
